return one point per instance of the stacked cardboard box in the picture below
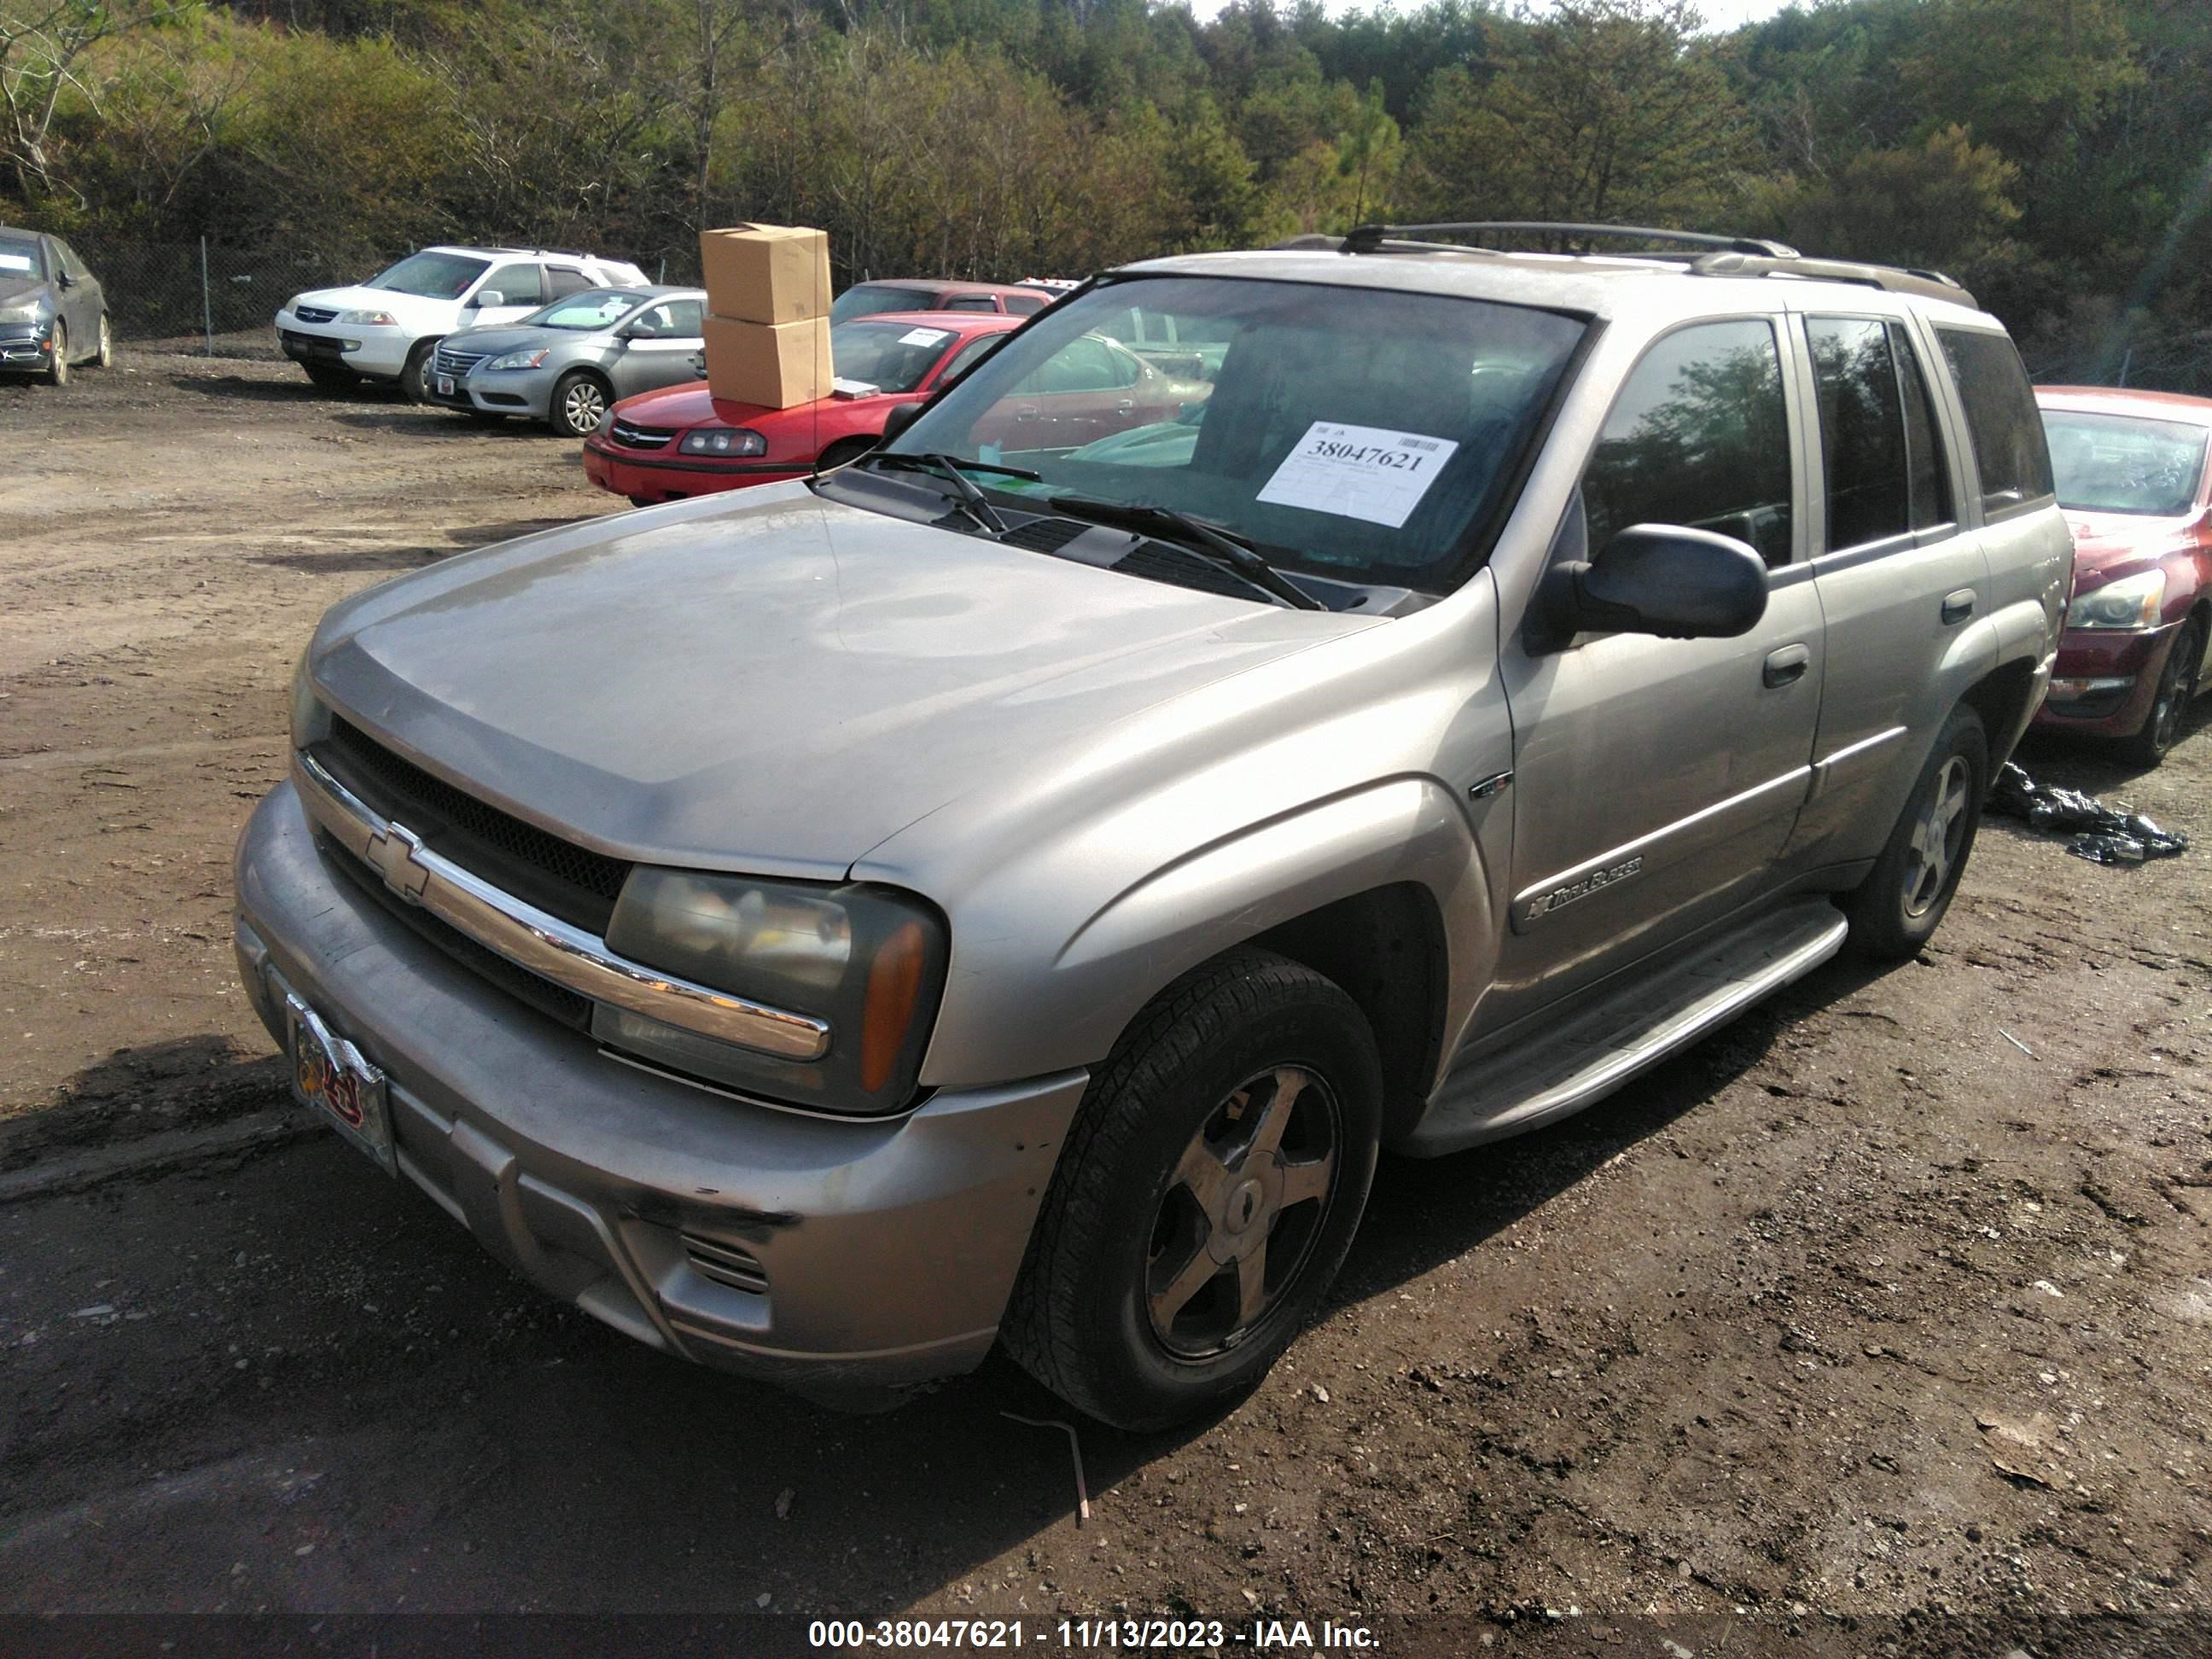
(768, 335)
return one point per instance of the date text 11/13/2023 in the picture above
(1093, 1635)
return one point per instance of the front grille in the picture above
(314, 314)
(457, 363)
(641, 437)
(575, 884)
(555, 1002)
(726, 1264)
(312, 345)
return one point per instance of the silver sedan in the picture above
(567, 363)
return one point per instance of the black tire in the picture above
(330, 377)
(1898, 907)
(415, 379)
(643, 501)
(1123, 1234)
(57, 372)
(485, 417)
(2169, 707)
(843, 450)
(579, 402)
(105, 357)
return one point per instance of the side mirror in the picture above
(62, 279)
(1666, 579)
(900, 417)
(490, 296)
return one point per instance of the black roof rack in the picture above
(1730, 255)
(1369, 238)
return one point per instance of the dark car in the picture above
(938, 294)
(52, 312)
(2135, 480)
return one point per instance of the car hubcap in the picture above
(584, 406)
(1937, 837)
(1242, 1211)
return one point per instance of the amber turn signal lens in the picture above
(894, 985)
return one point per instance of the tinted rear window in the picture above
(871, 298)
(2001, 417)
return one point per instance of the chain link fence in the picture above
(209, 294)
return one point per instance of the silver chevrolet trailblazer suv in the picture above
(1009, 888)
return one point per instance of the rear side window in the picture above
(1931, 478)
(1025, 304)
(1699, 437)
(2001, 417)
(971, 302)
(561, 281)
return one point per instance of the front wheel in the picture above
(415, 378)
(1899, 906)
(2169, 709)
(57, 372)
(579, 404)
(1206, 1196)
(105, 357)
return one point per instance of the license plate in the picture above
(445, 386)
(329, 1076)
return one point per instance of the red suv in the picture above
(2133, 478)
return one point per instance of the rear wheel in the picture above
(1898, 907)
(331, 376)
(57, 372)
(579, 404)
(2169, 709)
(1206, 1195)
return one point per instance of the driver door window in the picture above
(1699, 437)
(516, 285)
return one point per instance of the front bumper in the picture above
(376, 351)
(2105, 680)
(527, 393)
(679, 476)
(836, 1254)
(26, 354)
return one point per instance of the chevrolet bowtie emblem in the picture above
(393, 854)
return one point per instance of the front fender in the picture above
(1067, 1009)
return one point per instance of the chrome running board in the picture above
(1567, 1067)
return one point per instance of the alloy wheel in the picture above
(1242, 1211)
(2175, 689)
(107, 357)
(583, 406)
(1938, 837)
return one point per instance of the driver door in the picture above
(1656, 779)
(661, 341)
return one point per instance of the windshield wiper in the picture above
(950, 467)
(1193, 535)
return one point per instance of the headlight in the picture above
(520, 359)
(2131, 601)
(868, 961)
(311, 717)
(723, 441)
(369, 319)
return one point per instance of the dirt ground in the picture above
(1892, 1303)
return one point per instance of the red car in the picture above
(903, 294)
(682, 440)
(2134, 480)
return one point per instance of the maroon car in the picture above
(938, 294)
(2133, 478)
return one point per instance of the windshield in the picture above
(19, 256)
(1358, 433)
(889, 356)
(870, 299)
(432, 276)
(2122, 464)
(593, 309)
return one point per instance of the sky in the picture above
(1720, 15)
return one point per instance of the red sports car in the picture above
(2135, 483)
(682, 440)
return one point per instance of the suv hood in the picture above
(776, 686)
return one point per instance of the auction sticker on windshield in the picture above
(1358, 472)
(924, 336)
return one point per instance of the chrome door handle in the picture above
(1958, 607)
(1125, 405)
(1786, 664)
